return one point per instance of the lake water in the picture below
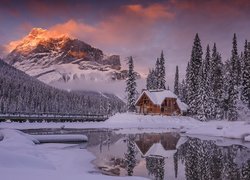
(166, 155)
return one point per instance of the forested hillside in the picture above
(22, 93)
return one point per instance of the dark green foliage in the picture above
(131, 86)
(161, 72)
(233, 84)
(193, 75)
(157, 77)
(176, 81)
(245, 96)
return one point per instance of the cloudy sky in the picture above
(141, 28)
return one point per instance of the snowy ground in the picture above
(132, 123)
(21, 159)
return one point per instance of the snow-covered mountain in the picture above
(51, 57)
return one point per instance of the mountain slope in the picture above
(52, 57)
(22, 93)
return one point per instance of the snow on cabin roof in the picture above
(158, 96)
(182, 105)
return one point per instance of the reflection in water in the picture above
(129, 157)
(204, 160)
(138, 155)
(155, 156)
(155, 166)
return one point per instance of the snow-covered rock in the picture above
(247, 138)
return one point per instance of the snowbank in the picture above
(60, 138)
(234, 130)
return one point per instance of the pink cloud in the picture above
(134, 24)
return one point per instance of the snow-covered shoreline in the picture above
(134, 123)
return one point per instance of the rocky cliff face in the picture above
(53, 58)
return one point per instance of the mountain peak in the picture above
(37, 31)
(51, 56)
(36, 36)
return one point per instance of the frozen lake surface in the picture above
(166, 155)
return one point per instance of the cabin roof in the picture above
(158, 96)
(158, 150)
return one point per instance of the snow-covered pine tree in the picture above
(176, 81)
(131, 86)
(218, 93)
(232, 102)
(245, 95)
(162, 73)
(183, 91)
(149, 80)
(213, 67)
(201, 109)
(209, 105)
(226, 79)
(217, 84)
(130, 158)
(154, 79)
(188, 79)
(238, 71)
(193, 77)
(157, 73)
(233, 88)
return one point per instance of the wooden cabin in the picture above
(162, 102)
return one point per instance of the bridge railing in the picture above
(53, 115)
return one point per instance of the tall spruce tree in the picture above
(205, 92)
(149, 80)
(233, 88)
(188, 79)
(162, 73)
(183, 91)
(245, 95)
(217, 83)
(218, 88)
(209, 105)
(193, 75)
(202, 96)
(176, 81)
(226, 79)
(131, 86)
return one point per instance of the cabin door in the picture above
(162, 109)
(145, 110)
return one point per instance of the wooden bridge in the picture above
(51, 117)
